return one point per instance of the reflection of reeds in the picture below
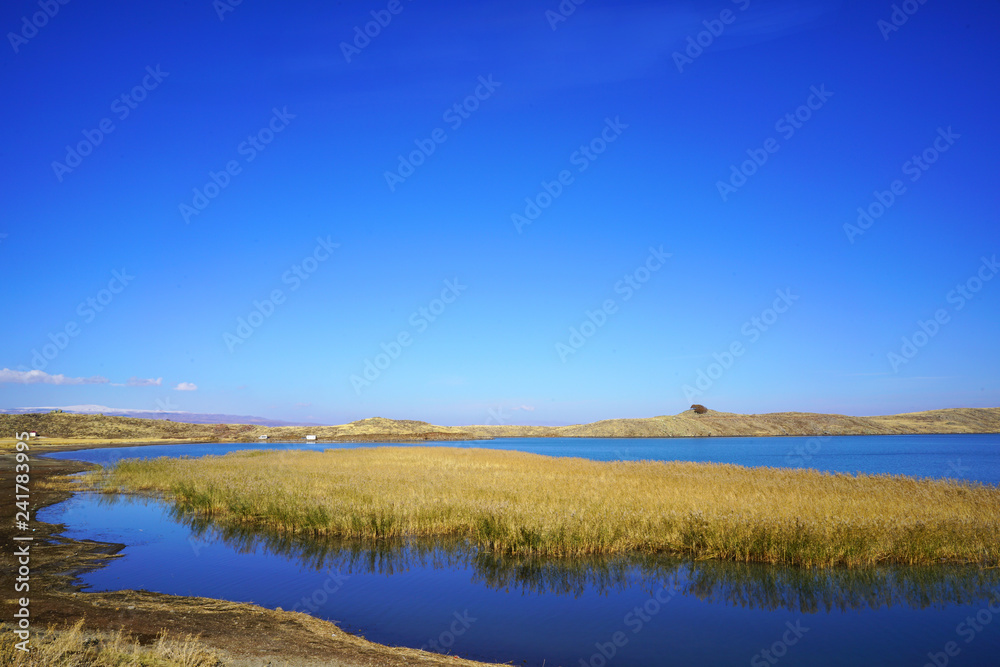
(809, 590)
(751, 585)
(516, 503)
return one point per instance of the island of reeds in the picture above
(517, 503)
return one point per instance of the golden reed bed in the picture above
(521, 503)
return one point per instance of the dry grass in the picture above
(72, 647)
(60, 427)
(727, 424)
(511, 502)
(70, 428)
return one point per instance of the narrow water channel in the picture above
(599, 611)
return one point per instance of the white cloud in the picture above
(186, 386)
(41, 377)
(143, 382)
(529, 408)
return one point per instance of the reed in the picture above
(74, 647)
(517, 503)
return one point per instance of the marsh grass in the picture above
(527, 504)
(73, 647)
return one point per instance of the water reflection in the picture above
(747, 585)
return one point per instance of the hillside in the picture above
(689, 424)
(60, 425)
(166, 415)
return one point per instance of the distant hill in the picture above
(61, 425)
(378, 429)
(168, 415)
(690, 424)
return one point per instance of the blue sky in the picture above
(679, 208)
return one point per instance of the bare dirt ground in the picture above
(243, 634)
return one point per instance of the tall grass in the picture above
(516, 503)
(72, 647)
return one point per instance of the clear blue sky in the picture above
(661, 124)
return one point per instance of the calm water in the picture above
(571, 612)
(974, 457)
(557, 612)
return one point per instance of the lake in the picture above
(971, 457)
(598, 611)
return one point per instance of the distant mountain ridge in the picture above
(67, 426)
(687, 424)
(169, 415)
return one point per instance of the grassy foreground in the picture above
(72, 647)
(511, 502)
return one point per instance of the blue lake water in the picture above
(571, 612)
(970, 457)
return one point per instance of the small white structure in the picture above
(262, 437)
(32, 434)
(310, 437)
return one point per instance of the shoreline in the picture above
(578, 505)
(87, 430)
(66, 444)
(224, 625)
(243, 634)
